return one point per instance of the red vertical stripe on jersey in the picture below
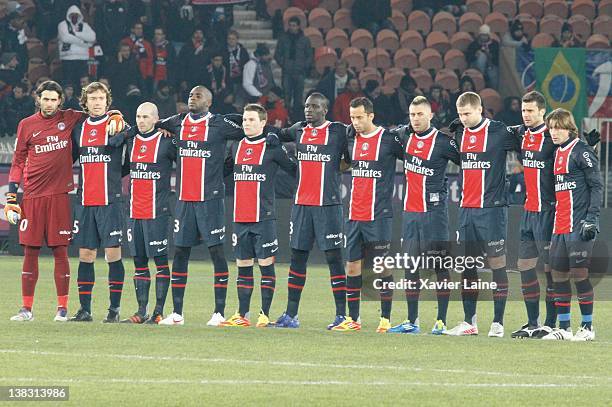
(533, 195)
(564, 209)
(247, 194)
(246, 201)
(312, 173)
(533, 202)
(94, 176)
(363, 189)
(193, 168)
(415, 199)
(473, 142)
(142, 191)
(563, 212)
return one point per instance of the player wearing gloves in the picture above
(43, 161)
(578, 191)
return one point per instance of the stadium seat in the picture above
(378, 58)
(273, 5)
(387, 39)
(506, 7)
(530, 25)
(480, 7)
(581, 26)
(370, 74)
(498, 22)
(52, 49)
(430, 59)
(598, 41)
(362, 39)
(491, 99)
(447, 79)
(476, 76)
(342, 20)
(542, 40)
(354, 57)
(321, 19)
(556, 7)
(38, 71)
(398, 19)
(413, 40)
(470, 23)
(444, 22)
(461, 40)
(439, 41)
(551, 24)
(315, 36)
(584, 7)
(336, 38)
(55, 69)
(422, 79)
(405, 58)
(294, 12)
(330, 5)
(419, 21)
(35, 62)
(455, 59)
(605, 8)
(325, 57)
(393, 76)
(603, 25)
(405, 6)
(36, 49)
(532, 7)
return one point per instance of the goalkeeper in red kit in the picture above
(43, 163)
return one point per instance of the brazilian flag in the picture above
(561, 77)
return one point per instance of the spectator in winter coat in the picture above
(294, 54)
(341, 105)
(75, 38)
(142, 50)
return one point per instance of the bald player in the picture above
(150, 157)
(200, 138)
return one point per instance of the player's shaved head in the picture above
(146, 117)
(200, 99)
(149, 109)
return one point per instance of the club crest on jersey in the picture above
(194, 129)
(365, 147)
(472, 139)
(249, 151)
(314, 132)
(531, 138)
(560, 159)
(420, 144)
(61, 126)
(93, 132)
(143, 149)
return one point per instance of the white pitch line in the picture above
(296, 364)
(286, 382)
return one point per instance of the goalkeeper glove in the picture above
(12, 211)
(115, 122)
(589, 228)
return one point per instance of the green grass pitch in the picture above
(199, 365)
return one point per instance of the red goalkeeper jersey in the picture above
(43, 154)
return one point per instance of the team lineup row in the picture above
(559, 225)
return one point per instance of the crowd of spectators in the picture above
(159, 49)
